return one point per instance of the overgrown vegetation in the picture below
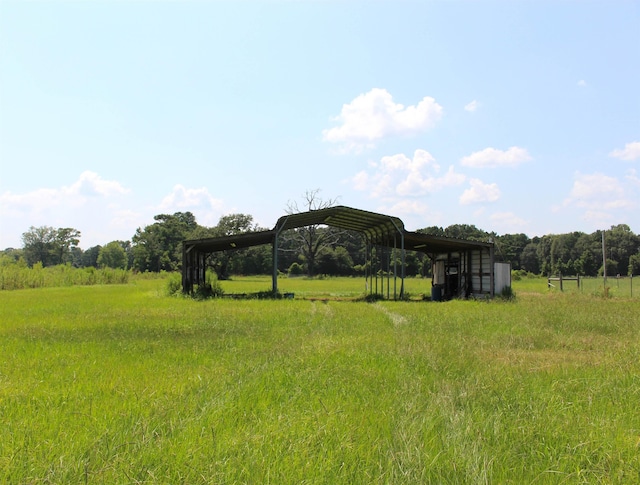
(17, 275)
(210, 289)
(121, 384)
(321, 250)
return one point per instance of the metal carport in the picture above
(379, 230)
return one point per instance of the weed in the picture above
(507, 293)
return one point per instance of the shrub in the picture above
(174, 285)
(371, 297)
(210, 289)
(507, 293)
(268, 295)
(295, 269)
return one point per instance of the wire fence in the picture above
(612, 286)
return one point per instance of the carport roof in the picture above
(342, 217)
(429, 244)
(379, 228)
(237, 241)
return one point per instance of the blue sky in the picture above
(514, 116)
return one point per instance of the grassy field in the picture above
(419, 288)
(122, 384)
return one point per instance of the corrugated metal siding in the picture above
(474, 271)
(480, 272)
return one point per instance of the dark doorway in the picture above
(452, 280)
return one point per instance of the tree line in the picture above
(321, 250)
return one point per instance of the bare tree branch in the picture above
(312, 239)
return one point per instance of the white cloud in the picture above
(20, 205)
(598, 218)
(90, 184)
(417, 184)
(183, 199)
(598, 195)
(632, 177)
(595, 190)
(43, 200)
(408, 207)
(89, 204)
(400, 161)
(582, 83)
(414, 213)
(126, 218)
(480, 192)
(472, 106)
(361, 180)
(399, 175)
(508, 220)
(374, 115)
(101, 209)
(630, 152)
(492, 158)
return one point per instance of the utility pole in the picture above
(604, 261)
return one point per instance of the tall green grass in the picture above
(121, 384)
(328, 287)
(16, 276)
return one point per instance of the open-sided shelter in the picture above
(461, 268)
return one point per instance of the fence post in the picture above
(561, 287)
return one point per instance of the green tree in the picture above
(38, 244)
(224, 263)
(335, 261)
(12, 254)
(563, 252)
(466, 231)
(90, 256)
(587, 250)
(543, 250)
(621, 244)
(49, 246)
(112, 255)
(158, 247)
(66, 239)
(76, 255)
(415, 263)
(355, 244)
(612, 268)
(432, 230)
(634, 265)
(511, 247)
(254, 260)
(529, 258)
(233, 224)
(586, 264)
(148, 251)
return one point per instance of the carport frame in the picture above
(378, 229)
